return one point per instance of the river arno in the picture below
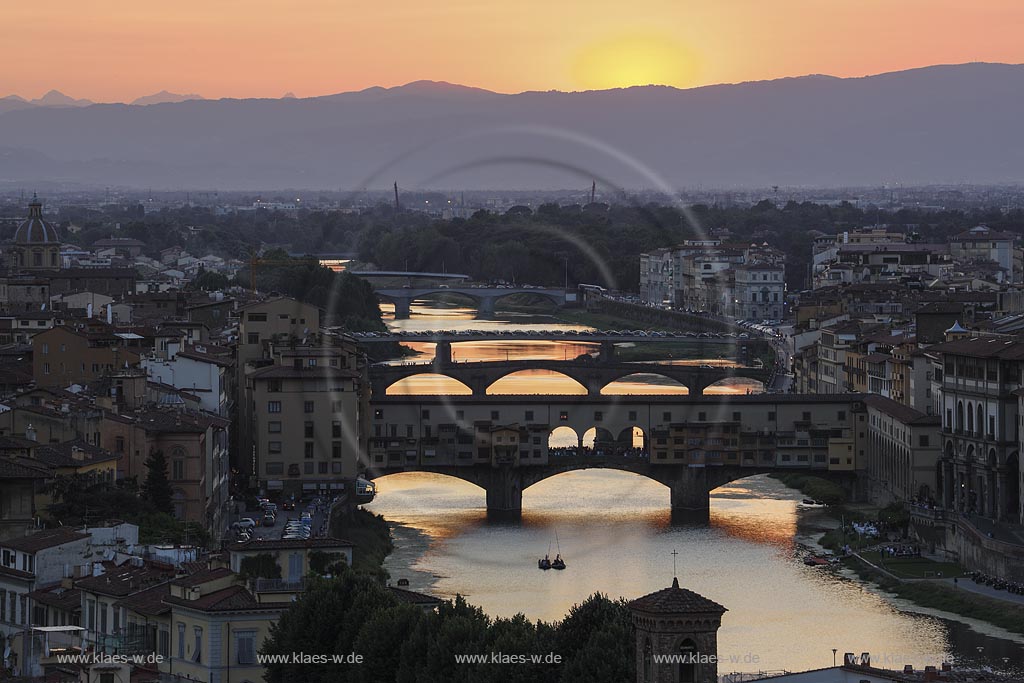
(614, 530)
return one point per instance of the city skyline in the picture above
(265, 49)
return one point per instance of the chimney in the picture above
(30, 433)
(77, 453)
(110, 313)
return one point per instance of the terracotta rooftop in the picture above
(126, 579)
(226, 600)
(46, 538)
(675, 600)
(1004, 348)
(202, 576)
(67, 599)
(149, 602)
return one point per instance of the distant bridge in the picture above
(593, 376)
(410, 275)
(582, 336)
(485, 297)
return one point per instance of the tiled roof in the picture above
(675, 600)
(983, 347)
(149, 601)
(13, 470)
(41, 540)
(202, 576)
(904, 414)
(413, 597)
(226, 600)
(16, 573)
(67, 599)
(291, 372)
(62, 454)
(125, 580)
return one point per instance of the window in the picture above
(308, 450)
(666, 417)
(736, 416)
(632, 415)
(273, 386)
(275, 468)
(923, 440)
(177, 469)
(308, 407)
(245, 646)
(274, 427)
(307, 429)
(336, 449)
(335, 430)
(256, 317)
(252, 338)
(181, 641)
(197, 649)
(323, 467)
(494, 415)
(273, 447)
(337, 406)
(307, 468)
(702, 417)
(771, 414)
(335, 468)
(598, 416)
(807, 416)
(529, 415)
(273, 406)
(425, 414)
(46, 368)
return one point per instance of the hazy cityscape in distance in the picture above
(659, 343)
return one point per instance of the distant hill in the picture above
(958, 123)
(164, 97)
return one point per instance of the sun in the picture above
(636, 59)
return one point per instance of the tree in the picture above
(157, 487)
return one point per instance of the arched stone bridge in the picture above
(690, 487)
(485, 297)
(593, 376)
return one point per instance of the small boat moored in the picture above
(544, 563)
(558, 562)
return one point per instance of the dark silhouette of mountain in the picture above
(938, 124)
(55, 98)
(164, 97)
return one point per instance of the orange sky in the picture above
(114, 50)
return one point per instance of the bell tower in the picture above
(679, 628)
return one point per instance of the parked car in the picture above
(269, 519)
(246, 523)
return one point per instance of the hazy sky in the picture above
(114, 50)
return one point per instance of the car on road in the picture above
(269, 519)
(288, 505)
(246, 523)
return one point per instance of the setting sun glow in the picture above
(635, 60)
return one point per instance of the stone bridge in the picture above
(690, 486)
(591, 375)
(485, 297)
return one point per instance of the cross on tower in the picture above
(674, 553)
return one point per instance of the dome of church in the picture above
(35, 230)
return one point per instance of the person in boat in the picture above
(558, 563)
(545, 563)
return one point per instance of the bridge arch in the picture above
(427, 383)
(629, 384)
(735, 385)
(560, 382)
(563, 436)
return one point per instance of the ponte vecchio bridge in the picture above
(692, 444)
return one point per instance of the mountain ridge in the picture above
(945, 123)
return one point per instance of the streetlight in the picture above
(834, 651)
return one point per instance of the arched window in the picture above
(688, 661)
(959, 416)
(981, 420)
(970, 419)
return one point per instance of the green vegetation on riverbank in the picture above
(913, 567)
(941, 596)
(399, 641)
(372, 538)
(816, 488)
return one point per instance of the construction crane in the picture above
(255, 261)
(397, 206)
(593, 191)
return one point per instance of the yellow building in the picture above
(217, 628)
